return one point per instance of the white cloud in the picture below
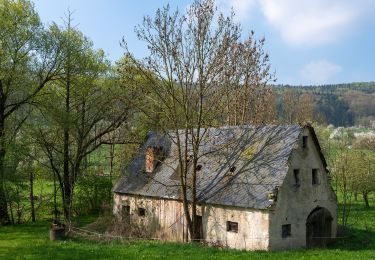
(242, 8)
(319, 72)
(305, 22)
(309, 22)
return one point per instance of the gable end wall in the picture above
(294, 204)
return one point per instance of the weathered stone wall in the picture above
(165, 220)
(295, 203)
(252, 227)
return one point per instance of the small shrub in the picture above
(92, 192)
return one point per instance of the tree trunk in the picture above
(194, 201)
(187, 216)
(11, 221)
(183, 173)
(19, 207)
(66, 176)
(111, 158)
(365, 198)
(67, 199)
(4, 216)
(54, 197)
(31, 180)
(66, 173)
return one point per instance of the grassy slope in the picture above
(30, 241)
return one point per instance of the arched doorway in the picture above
(318, 228)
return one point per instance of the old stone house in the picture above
(259, 188)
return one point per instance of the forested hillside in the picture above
(340, 104)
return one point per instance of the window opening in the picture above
(314, 176)
(296, 177)
(286, 230)
(232, 226)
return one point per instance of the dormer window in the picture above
(304, 141)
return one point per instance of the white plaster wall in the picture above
(294, 204)
(252, 227)
(165, 220)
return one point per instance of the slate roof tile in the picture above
(259, 154)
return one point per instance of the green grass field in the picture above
(30, 241)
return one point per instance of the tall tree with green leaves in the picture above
(29, 59)
(78, 111)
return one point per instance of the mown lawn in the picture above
(30, 241)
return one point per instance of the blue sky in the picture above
(309, 42)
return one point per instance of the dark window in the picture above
(199, 226)
(199, 167)
(296, 177)
(141, 212)
(126, 214)
(314, 175)
(286, 230)
(304, 141)
(232, 226)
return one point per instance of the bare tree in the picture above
(305, 108)
(244, 77)
(198, 74)
(290, 99)
(298, 107)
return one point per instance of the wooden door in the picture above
(199, 227)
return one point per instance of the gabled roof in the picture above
(258, 156)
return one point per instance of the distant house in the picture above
(266, 188)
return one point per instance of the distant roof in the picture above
(240, 166)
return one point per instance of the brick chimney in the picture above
(152, 158)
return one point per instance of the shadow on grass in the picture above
(355, 239)
(360, 231)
